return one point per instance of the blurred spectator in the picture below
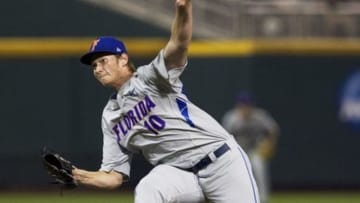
(349, 112)
(338, 25)
(272, 26)
(256, 132)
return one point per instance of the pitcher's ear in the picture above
(123, 59)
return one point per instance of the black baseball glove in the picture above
(59, 168)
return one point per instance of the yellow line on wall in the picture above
(63, 47)
(42, 47)
(276, 47)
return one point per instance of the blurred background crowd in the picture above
(253, 18)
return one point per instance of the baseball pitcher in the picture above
(195, 159)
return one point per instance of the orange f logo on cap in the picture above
(93, 44)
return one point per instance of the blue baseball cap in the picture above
(103, 46)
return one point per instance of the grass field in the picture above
(74, 197)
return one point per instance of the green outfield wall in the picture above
(56, 102)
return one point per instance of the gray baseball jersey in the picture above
(248, 133)
(151, 115)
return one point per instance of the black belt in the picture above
(204, 162)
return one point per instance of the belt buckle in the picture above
(208, 159)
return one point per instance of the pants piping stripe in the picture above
(250, 176)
